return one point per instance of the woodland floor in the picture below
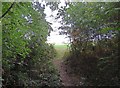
(67, 78)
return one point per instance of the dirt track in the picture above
(67, 78)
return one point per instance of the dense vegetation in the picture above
(26, 57)
(94, 34)
(93, 30)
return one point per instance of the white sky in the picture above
(54, 37)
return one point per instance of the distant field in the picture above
(61, 49)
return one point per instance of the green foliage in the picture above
(26, 55)
(94, 43)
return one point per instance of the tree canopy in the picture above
(93, 29)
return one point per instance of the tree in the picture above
(93, 29)
(26, 55)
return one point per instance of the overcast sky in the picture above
(54, 35)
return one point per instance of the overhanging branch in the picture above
(7, 10)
